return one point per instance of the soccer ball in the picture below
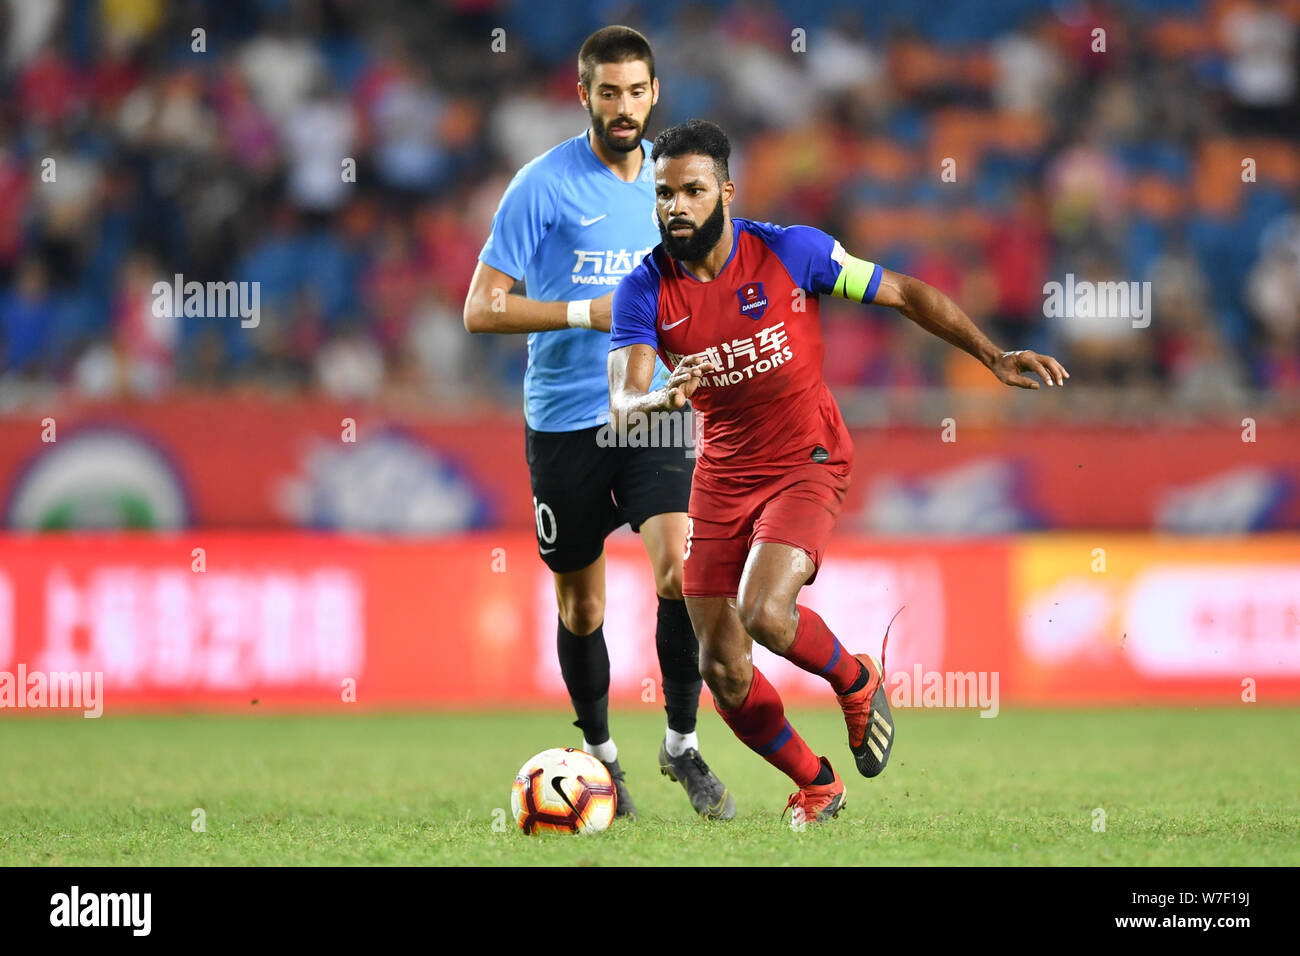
(566, 790)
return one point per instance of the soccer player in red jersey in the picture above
(731, 306)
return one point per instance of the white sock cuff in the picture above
(677, 744)
(608, 751)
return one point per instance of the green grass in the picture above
(1179, 787)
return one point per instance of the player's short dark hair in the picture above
(696, 137)
(616, 44)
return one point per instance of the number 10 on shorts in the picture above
(545, 518)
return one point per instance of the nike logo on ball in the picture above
(555, 784)
(591, 222)
(672, 325)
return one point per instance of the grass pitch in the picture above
(1177, 787)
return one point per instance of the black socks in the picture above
(824, 776)
(679, 660)
(584, 662)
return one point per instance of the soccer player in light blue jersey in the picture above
(571, 224)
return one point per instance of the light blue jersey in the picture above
(571, 229)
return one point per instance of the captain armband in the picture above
(858, 278)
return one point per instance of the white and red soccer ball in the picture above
(564, 790)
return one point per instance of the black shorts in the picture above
(582, 492)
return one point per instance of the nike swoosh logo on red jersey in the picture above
(672, 325)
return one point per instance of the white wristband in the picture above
(580, 314)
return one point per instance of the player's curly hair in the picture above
(696, 137)
(616, 44)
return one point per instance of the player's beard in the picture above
(601, 129)
(699, 243)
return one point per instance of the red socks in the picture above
(761, 725)
(816, 650)
(760, 721)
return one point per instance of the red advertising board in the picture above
(1104, 618)
(231, 462)
(330, 621)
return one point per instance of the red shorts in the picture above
(799, 509)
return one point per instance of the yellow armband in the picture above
(858, 278)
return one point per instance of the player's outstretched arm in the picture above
(631, 372)
(491, 307)
(936, 313)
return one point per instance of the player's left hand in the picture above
(686, 378)
(1010, 368)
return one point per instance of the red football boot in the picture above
(871, 725)
(817, 804)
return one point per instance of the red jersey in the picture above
(768, 409)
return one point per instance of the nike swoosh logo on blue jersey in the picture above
(591, 222)
(672, 325)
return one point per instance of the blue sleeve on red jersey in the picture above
(636, 304)
(805, 252)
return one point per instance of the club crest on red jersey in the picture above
(753, 300)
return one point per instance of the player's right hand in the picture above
(1009, 367)
(686, 378)
(602, 312)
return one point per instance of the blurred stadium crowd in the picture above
(218, 155)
